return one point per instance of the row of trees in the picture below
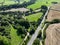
(16, 5)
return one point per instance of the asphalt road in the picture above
(34, 36)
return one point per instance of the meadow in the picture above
(10, 2)
(39, 3)
(33, 17)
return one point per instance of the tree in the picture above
(44, 8)
(31, 10)
(36, 42)
(21, 30)
(2, 29)
(24, 23)
(32, 30)
(4, 40)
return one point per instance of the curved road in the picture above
(34, 36)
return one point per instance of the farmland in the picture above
(19, 20)
(10, 2)
(33, 17)
(38, 3)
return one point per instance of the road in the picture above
(34, 36)
(25, 38)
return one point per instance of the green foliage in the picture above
(32, 30)
(56, 21)
(4, 40)
(23, 23)
(53, 21)
(23, 36)
(36, 42)
(21, 30)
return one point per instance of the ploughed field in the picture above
(53, 34)
(53, 29)
(54, 12)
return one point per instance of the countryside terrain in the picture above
(53, 30)
(26, 22)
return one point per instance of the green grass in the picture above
(38, 3)
(16, 40)
(33, 17)
(9, 2)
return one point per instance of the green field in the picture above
(33, 17)
(38, 3)
(16, 40)
(9, 2)
(12, 18)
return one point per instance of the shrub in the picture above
(36, 42)
(4, 41)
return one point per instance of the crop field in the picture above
(54, 13)
(52, 29)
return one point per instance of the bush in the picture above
(23, 22)
(44, 8)
(39, 35)
(54, 2)
(56, 21)
(4, 41)
(36, 42)
(23, 36)
(2, 29)
(21, 30)
(53, 21)
(32, 30)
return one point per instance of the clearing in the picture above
(34, 17)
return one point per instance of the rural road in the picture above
(34, 36)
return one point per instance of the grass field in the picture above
(33, 17)
(9, 2)
(16, 40)
(38, 3)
